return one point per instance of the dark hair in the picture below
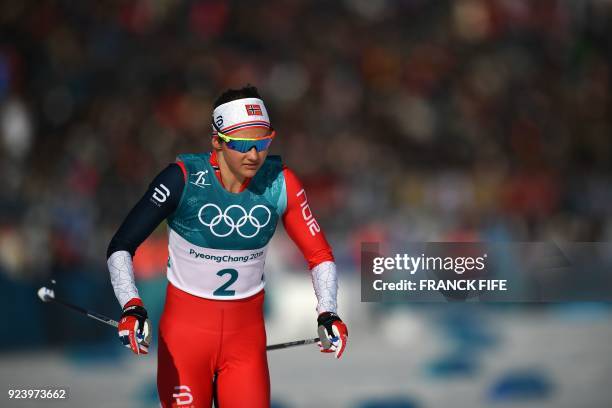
(248, 91)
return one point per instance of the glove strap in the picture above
(327, 318)
(135, 308)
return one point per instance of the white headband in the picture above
(240, 114)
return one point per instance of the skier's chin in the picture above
(249, 174)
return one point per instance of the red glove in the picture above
(134, 327)
(333, 333)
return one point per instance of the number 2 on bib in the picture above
(222, 290)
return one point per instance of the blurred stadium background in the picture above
(408, 120)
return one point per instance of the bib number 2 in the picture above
(223, 289)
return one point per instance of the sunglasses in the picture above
(243, 145)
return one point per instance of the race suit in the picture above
(212, 327)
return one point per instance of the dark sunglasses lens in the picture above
(263, 144)
(244, 146)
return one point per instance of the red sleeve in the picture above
(301, 225)
(182, 166)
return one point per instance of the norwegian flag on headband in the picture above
(253, 110)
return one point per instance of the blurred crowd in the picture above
(406, 120)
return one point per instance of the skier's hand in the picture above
(134, 327)
(333, 333)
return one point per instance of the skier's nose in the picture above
(252, 154)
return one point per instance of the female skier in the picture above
(222, 209)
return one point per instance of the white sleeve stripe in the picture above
(325, 283)
(122, 276)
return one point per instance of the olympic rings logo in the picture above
(230, 222)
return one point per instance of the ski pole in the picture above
(291, 344)
(48, 295)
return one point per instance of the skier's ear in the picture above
(216, 143)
